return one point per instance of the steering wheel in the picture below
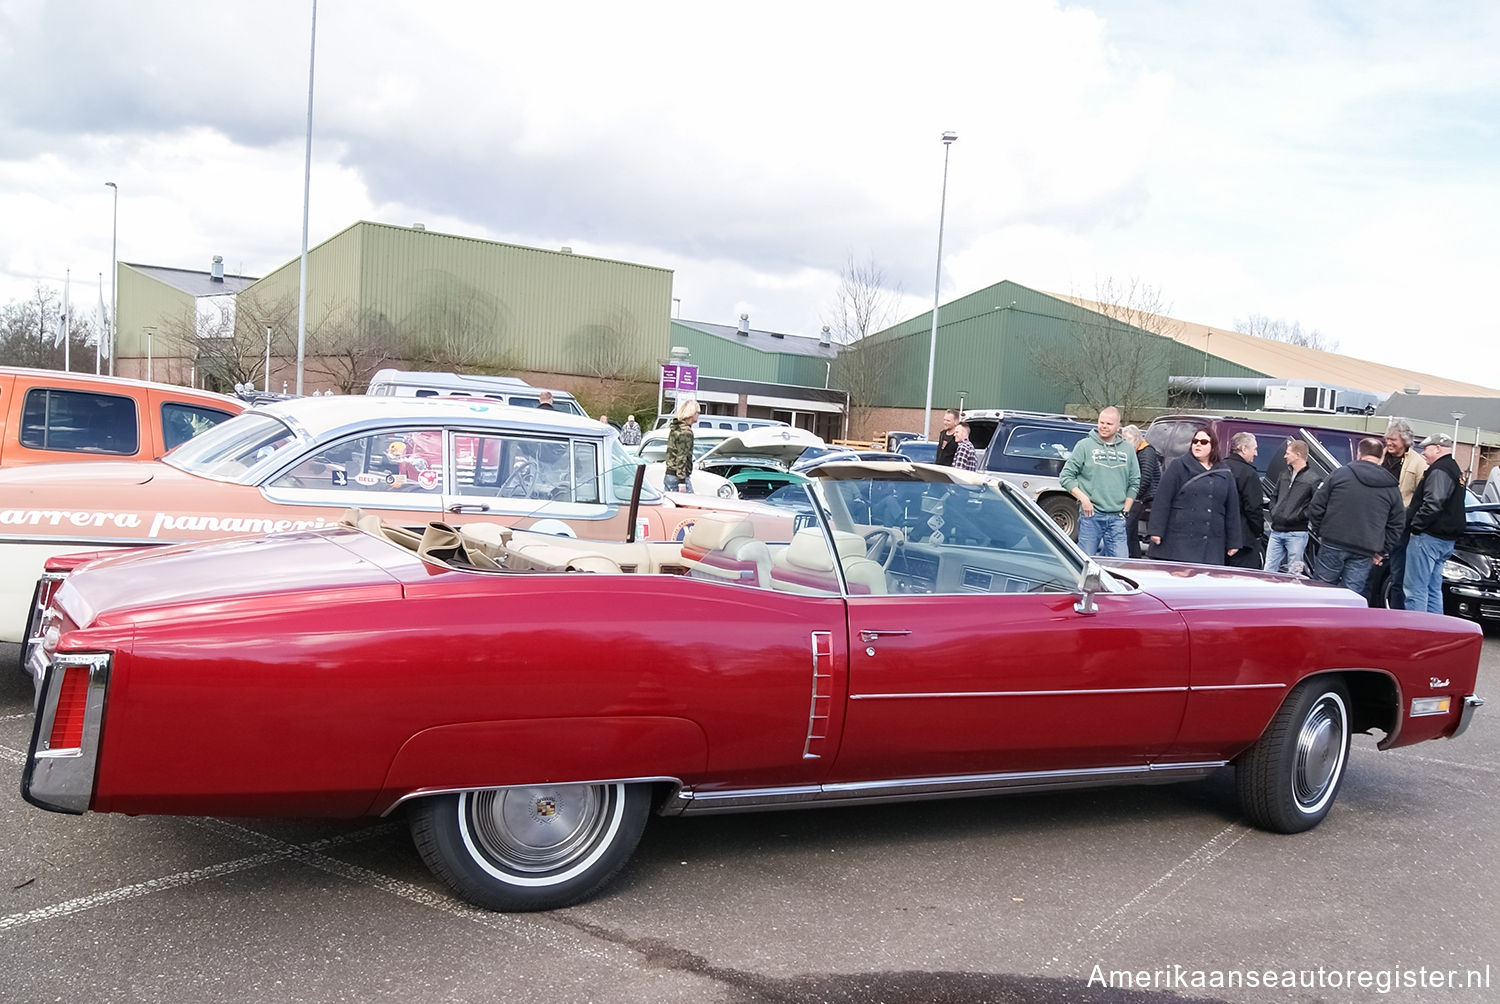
(882, 536)
(522, 478)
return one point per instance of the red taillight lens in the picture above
(72, 698)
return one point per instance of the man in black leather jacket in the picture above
(1436, 519)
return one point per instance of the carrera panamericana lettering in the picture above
(66, 517)
(160, 522)
(231, 524)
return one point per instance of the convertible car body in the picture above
(530, 699)
(299, 464)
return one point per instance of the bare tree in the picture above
(1290, 332)
(224, 338)
(1118, 349)
(346, 347)
(457, 326)
(864, 304)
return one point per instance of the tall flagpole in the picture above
(306, 197)
(103, 330)
(66, 321)
(114, 278)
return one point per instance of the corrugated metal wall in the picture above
(523, 308)
(995, 348)
(145, 301)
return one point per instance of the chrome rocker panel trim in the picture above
(685, 801)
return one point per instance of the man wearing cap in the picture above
(1435, 519)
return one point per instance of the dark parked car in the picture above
(922, 451)
(1170, 435)
(1471, 578)
(1028, 449)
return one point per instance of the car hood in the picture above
(781, 443)
(96, 474)
(211, 575)
(1211, 587)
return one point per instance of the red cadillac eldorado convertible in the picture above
(529, 700)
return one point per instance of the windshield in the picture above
(938, 536)
(230, 449)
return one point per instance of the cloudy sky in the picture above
(1330, 163)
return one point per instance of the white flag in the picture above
(103, 321)
(62, 314)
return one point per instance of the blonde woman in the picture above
(679, 464)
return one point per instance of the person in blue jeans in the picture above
(1290, 497)
(1356, 516)
(1103, 475)
(1436, 519)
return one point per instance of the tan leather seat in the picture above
(724, 548)
(805, 566)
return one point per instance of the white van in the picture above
(507, 390)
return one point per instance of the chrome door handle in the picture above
(468, 507)
(867, 636)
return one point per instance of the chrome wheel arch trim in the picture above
(411, 796)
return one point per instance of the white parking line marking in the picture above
(1402, 754)
(135, 891)
(12, 718)
(530, 930)
(12, 756)
(274, 850)
(1113, 927)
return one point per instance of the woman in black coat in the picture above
(1196, 514)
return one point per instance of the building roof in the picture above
(1295, 362)
(1480, 412)
(191, 282)
(765, 341)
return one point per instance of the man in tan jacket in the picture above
(1407, 466)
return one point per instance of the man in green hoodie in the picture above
(1103, 475)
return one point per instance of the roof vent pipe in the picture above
(419, 226)
(216, 270)
(825, 338)
(745, 325)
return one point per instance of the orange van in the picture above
(49, 415)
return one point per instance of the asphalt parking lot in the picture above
(1023, 899)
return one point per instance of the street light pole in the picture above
(114, 277)
(306, 196)
(1456, 416)
(268, 359)
(150, 335)
(937, 284)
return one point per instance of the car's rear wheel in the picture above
(1288, 780)
(531, 848)
(1064, 512)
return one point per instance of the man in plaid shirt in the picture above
(964, 459)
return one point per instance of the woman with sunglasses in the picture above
(1196, 514)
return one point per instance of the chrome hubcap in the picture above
(1320, 753)
(539, 829)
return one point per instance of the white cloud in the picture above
(1298, 159)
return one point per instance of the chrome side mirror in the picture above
(1090, 581)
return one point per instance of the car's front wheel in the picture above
(531, 848)
(1288, 780)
